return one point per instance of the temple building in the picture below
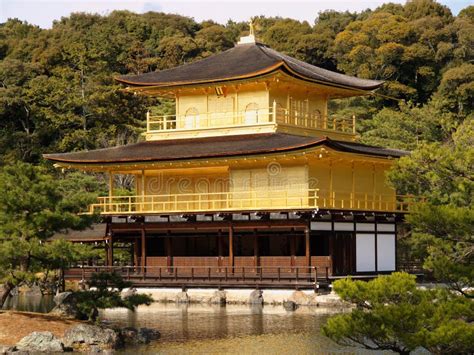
(250, 177)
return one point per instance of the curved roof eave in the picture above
(280, 66)
(235, 146)
(178, 83)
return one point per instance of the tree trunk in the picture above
(7, 288)
(62, 282)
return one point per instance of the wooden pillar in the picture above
(169, 257)
(178, 112)
(353, 199)
(325, 112)
(111, 184)
(220, 248)
(143, 242)
(274, 112)
(106, 249)
(331, 195)
(237, 108)
(141, 205)
(307, 246)
(231, 247)
(135, 252)
(110, 251)
(373, 187)
(255, 248)
(292, 247)
(288, 105)
(332, 240)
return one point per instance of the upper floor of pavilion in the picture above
(249, 89)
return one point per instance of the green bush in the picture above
(106, 292)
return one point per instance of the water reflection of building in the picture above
(250, 181)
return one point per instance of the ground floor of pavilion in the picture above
(274, 249)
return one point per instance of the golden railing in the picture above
(315, 121)
(208, 120)
(250, 200)
(365, 201)
(206, 202)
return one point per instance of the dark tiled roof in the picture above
(360, 148)
(95, 233)
(244, 61)
(184, 149)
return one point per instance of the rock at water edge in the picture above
(133, 336)
(290, 306)
(145, 335)
(86, 336)
(219, 297)
(256, 297)
(182, 297)
(301, 298)
(45, 342)
(129, 292)
(66, 305)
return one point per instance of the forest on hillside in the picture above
(57, 92)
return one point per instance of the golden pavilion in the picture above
(250, 182)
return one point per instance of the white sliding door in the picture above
(386, 252)
(365, 252)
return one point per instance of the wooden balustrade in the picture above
(202, 275)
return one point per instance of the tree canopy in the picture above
(392, 313)
(34, 205)
(57, 92)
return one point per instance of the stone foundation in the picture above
(243, 296)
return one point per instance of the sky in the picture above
(44, 12)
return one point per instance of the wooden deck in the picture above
(213, 276)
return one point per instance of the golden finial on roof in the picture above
(251, 37)
(252, 28)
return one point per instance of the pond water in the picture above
(27, 302)
(202, 329)
(205, 329)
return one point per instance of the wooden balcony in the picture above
(238, 201)
(268, 119)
